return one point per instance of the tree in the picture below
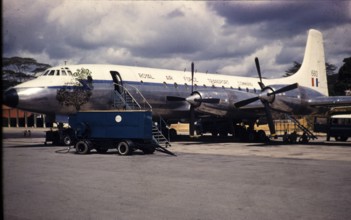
(292, 70)
(343, 82)
(345, 70)
(330, 68)
(22, 65)
(331, 75)
(18, 69)
(78, 91)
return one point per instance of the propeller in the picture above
(195, 100)
(267, 96)
(192, 108)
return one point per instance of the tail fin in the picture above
(312, 73)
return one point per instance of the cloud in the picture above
(221, 37)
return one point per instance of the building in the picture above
(12, 117)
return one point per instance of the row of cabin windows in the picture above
(61, 72)
(213, 86)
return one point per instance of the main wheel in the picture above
(261, 136)
(82, 147)
(124, 148)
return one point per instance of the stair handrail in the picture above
(162, 121)
(116, 93)
(303, 128)
(137, 91)
(142, 96)
(125, 92)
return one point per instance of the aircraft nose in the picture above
(11, 98)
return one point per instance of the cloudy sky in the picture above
(219, 36)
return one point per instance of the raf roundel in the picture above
(118, 118)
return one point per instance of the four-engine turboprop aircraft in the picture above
(178, 95)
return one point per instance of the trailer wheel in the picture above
(124, 148)
(82, 147)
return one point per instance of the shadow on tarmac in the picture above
(201, 140)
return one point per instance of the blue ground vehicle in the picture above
(125, 131)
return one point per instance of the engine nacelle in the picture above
(220, 102)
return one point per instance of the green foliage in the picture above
(333, 87)
(330, 68)
(292, 70)
(78, 92)
(15, 70)
(81, 75)
(20, 64)
(345, 70)
(343, 82)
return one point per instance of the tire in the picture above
(148, 150)
(66, 140)
(124, 148)
(251, 136)
(173, 133)
(82, 147)
(261, 136)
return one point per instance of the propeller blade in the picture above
(208, 100)
(259, 72)
(192, 77)
(285, 89)
(192, 121)
(175, 98)
(269, 119)
(262, 86)
(245, 102)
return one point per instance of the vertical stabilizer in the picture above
(312, 72)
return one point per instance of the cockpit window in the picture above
(61, 72)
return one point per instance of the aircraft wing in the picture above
(330, 101)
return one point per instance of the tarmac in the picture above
(208, 179)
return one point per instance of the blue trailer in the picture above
(102, 130)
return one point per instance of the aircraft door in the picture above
(117, 80)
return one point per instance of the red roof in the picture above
(12, 112)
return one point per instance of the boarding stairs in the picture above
(124, 100)
(159, 138)
(309, 134)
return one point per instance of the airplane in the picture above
(223, 102)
